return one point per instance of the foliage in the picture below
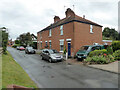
(109, 50)
(13, 73)
(100, 59)
(25, 39)
(17, 42)
(4, 39)
(65, 50)
(110, 33)
(116, 45)
(116, 55)
(97, 52)
(15, 45)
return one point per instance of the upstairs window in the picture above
(91, 28)
(61, 30)
(50, 33)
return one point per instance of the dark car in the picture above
(85, 50)
(21, 48)
(51, 55)
(29, 50)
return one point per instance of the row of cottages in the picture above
(71, 33)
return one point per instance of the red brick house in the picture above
(71, 32)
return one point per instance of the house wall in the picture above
(67, 34)
(79, 33)
(82, 35)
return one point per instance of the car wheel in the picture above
(41, 57)
(50, 60)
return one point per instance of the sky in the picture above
(22, 16)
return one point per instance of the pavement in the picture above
(111, 67)
(62, 74)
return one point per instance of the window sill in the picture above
(91, 32)
(61, 34)
(49, 36)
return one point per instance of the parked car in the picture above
(29, 50)
(17, 47)
(21, 48)
(85, 50)
(51, 55)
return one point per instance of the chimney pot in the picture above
(56, 19)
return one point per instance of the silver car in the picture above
(51, 55)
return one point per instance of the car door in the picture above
(47, 54)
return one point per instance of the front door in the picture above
(69, 49)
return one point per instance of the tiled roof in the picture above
(70, 19)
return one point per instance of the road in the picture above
(61, 75)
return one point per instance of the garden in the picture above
(104, 56)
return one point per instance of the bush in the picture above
(15, 45)
(116, 45)
(116, 55)
(97, 52)
(109, 50)
(100, 59)
(96, 60)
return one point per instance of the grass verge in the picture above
(13, 73)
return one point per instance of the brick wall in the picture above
(82, 35)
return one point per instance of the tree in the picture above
(110, 33)
(17, 42)
(25, 39)
(4, 38)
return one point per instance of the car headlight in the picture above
(85, 55)
(53, 57)
(61, 56)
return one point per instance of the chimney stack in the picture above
(69, 13)
(56, 19)
(84, 16)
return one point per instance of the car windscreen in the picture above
(29, 47)
(53, 51)
(84, 48)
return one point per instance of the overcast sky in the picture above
(21, 16)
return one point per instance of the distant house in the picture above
(71, 33)
(10, 42)
(34, 38)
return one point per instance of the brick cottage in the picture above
(71, 33)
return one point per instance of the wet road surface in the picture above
(61, 75)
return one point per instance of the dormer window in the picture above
(61, 30)
(91, 28)
(50, 33)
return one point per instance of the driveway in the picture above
(61, 75)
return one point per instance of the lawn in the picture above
(13, 73)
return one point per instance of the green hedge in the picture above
(115, 45)
(116, 54)
(15, 45)
(98, 52)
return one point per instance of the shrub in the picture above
(100, 59)
(15, 45)
(116, 45)
(96, 60)
(109, 50)
(97, 52)
(116, 55)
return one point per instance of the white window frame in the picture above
(61, 44)
(50, 45)
(91, 28)
(61, 30)
(50, 33)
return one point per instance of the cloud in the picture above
(21, 16)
